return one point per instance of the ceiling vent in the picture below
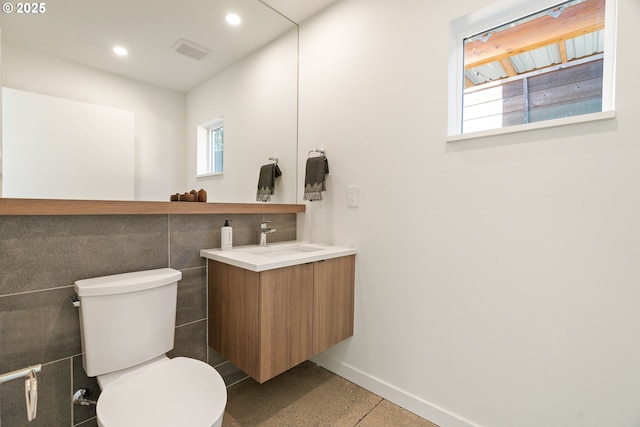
(191, 49)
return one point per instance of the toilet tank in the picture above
(127, 319)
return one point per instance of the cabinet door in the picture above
(333, 301)
(286, 318)
(233, 315)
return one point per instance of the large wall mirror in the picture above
(125, 127)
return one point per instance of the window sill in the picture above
(205, 175)
(604, 115)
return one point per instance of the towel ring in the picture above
(316, 150)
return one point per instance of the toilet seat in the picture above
(178, 392)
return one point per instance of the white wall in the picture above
(91, 147)
(160, 156)
(1, 154)
(497, 281)
(258, 99)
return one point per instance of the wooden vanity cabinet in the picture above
(267, 322)
(333, 301)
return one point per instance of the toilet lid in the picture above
(179, 392)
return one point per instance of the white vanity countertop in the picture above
(276, 255)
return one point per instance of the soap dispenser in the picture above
(226, 236)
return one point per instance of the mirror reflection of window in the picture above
(210, 148)
(215, 147)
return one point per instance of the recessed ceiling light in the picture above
(233, 19)
(120, 51)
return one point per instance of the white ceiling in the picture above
(298, 10)
(85, 32)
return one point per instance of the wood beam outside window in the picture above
(579, 19)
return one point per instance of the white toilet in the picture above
(127, 324)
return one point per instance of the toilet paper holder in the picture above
(30, 386)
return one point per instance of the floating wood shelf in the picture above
(116, 207)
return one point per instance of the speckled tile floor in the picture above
(309, 395)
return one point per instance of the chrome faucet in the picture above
(264, 230)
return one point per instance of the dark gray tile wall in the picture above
(42, 256)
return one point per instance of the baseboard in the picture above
(414, 404)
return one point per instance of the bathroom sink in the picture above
(285, 250)
(276, 255)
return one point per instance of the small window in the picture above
(531, 64)
(215, 148)
(210, 148)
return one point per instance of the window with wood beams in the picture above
(546, 64)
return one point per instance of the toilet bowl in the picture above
(168, 393)
(127, 325)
